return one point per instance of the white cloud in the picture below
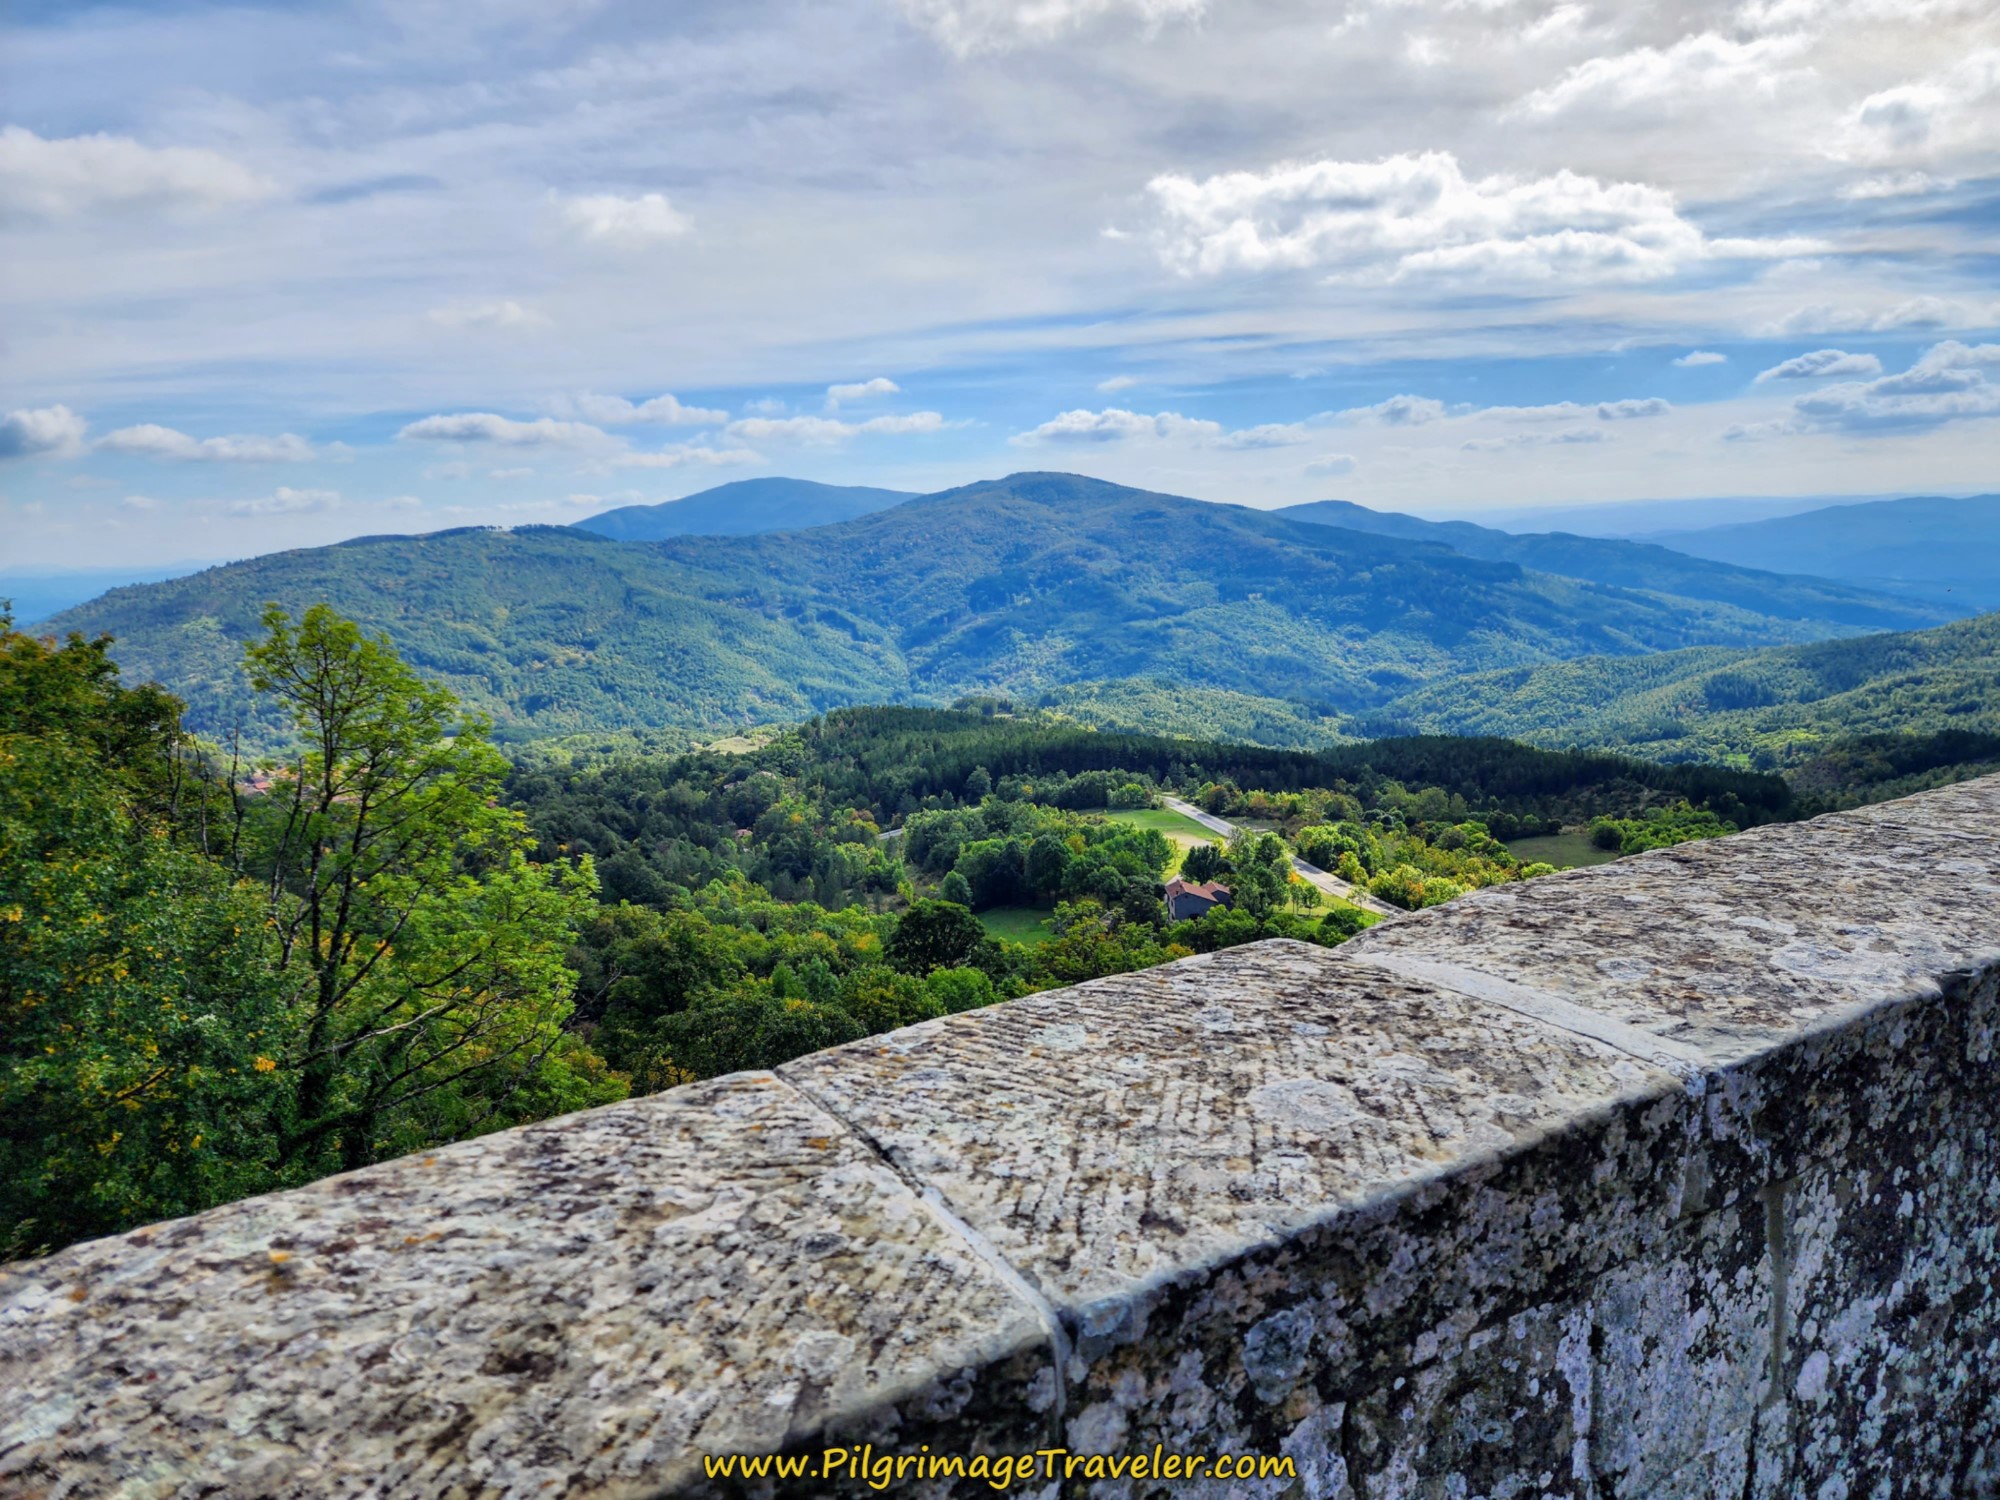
(139, 503)
(61, 179)
(1118, 383)
(487, 315)
(53, 430)
(1706, 63)
(1821, 363)
(1398, 411)
(1420, 215)
(1626, 411)
(1949, 109)
(969, 26)
(1695, 358)
(860, 390)
(675, 458)
(486, 427)
(1947, 383)
(827, 430)
(1332, 463)
(150, 440)
(606, 218)
(1895, 185)
(1116, 425)
(285, 501)
(615, 411)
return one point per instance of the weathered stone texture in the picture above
(579, 1307)
(1675, 1178)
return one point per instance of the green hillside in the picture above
(1630, 564)
(1022, 585)
(1770, 708)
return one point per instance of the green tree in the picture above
(425, 951)
(956, 889)
(935, 935)
(1203, 862)
(135, 1007)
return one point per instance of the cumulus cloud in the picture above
(486, 427)
(1417, 215)
(1946, 383)
(664, 410)
(680, 457)
(285, 501)
(1116, 425)
(1695, 358)
(1706, 63)
(150, 440)
(821, 431)
(1949, 109)
(502, 316)
(1332, 463)
(860, 390)
(1626, 411)
(1821, 363)
(628, 223)
(84, 174)
(1398, 411)
(969, 26)
(53, 430)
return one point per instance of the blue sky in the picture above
(283, 274)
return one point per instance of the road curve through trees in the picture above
(1333, 885)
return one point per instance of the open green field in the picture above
(1182, 833)
(1016, 924)
(1563, 850)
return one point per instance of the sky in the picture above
(280, 274)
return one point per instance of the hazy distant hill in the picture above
(743, 508)
(1021, 585)
(1776, 707)
(1944, 552)
(1642, 565)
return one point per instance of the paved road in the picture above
(1333, 885)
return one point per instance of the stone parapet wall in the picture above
(1677, 1177)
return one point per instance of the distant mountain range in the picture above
(1943, 552)
(743, 508)
(1026, 584)
(1643, 565)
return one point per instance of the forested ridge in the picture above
(1772, 709)
(1025, 585)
